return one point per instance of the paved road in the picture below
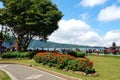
(21, 72)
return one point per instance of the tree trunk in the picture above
(1, 40)
(0, 47)
(18, 43)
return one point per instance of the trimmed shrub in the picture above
(72, 53)
(15, 55)
(80, 54)
(76, 54)
(9, 55)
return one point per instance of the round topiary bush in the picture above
(80, 54)
(72, 53)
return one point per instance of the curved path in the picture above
(21, 72)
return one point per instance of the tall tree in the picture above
(28, 19)
(114, 48)
(113, 45)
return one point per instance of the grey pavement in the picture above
(21, 72)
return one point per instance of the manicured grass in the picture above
(107, 66)
(4, 76)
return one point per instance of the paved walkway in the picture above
(21, 72)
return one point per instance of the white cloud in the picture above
(75, 32)
(112, 36)
(78, 32)
(109, 14)
(92, 3)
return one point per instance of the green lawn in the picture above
(107, 67)
(4, 76)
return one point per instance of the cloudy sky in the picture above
(88, 22)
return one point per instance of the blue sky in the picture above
(102, 17)
(88, 22)
(89, 14)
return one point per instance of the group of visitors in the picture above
(110, 50)
(4, 49)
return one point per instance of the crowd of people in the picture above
(65, 50)
(114, 51)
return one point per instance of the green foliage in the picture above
(80, 54)
(49, 64)
(72, 53)
(76, 54)
(119, 52)
(29, 18)
(32, 53)
(59, 66)
(88, 71)
(64, 61)
(72, 65)
(15, 55)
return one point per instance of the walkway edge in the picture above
(9, 74)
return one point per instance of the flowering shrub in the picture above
(64, 61)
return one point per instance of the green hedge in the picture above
(80, 54)
(15, 55)
(76, 54)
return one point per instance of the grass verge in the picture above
(4, 76)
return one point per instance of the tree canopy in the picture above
(30, 18)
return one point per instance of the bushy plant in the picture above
(32, 53)
(119, 52)
(64, 61)
(72, 53)
(88, 71)
(9, 55)
(76, 54)
(80, 54)
(15, 55)
(23, 55)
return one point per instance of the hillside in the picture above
(41, 44)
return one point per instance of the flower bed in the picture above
(65, 62)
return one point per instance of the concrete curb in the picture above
(9, 74)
